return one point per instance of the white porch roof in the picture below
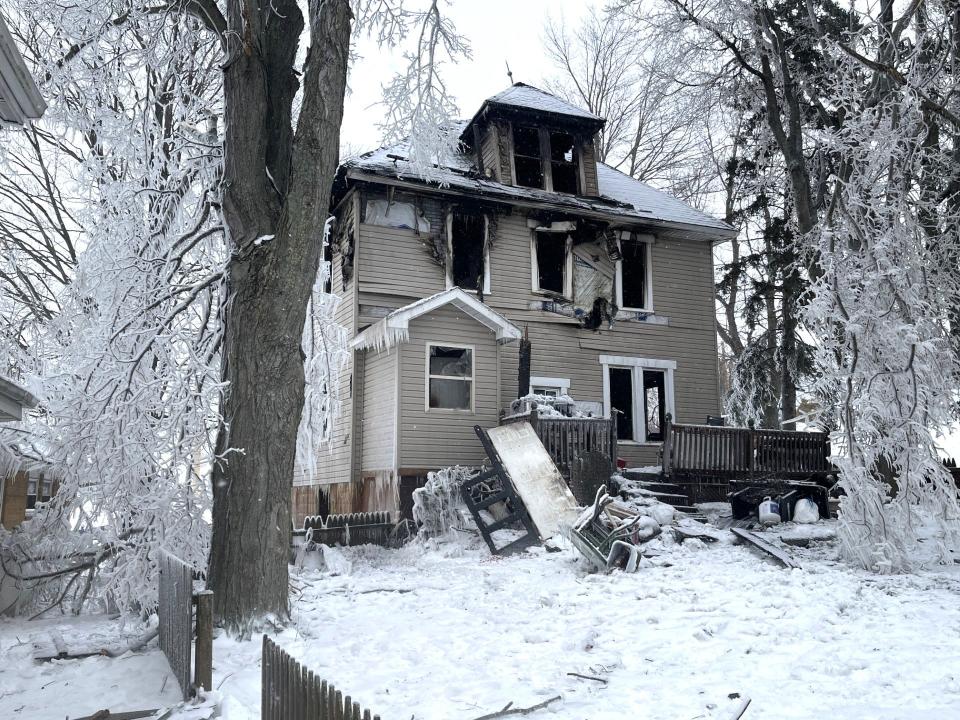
(395, 327)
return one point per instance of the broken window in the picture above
(467, 262)
(621, 399)
(527, 158)
(654, 404)
(563, 162)
(449, 377)
(634, 284)
(552, 262)
(397, 215)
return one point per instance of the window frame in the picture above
(546, 158)
(637, 366)
(472, 410)
(567, 293)
(561, 385)
(648, 242)
(448, 270)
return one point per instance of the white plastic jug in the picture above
(769, 512)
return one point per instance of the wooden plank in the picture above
(127, 715)
(761, 544)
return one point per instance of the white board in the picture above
(535, 477)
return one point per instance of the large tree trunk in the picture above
(276, 188)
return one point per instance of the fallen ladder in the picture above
(493, 486)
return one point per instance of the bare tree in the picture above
(656, 127)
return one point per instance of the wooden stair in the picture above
(666, 492)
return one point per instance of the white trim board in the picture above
(395, 327)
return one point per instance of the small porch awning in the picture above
(13, 399)
(395, 327)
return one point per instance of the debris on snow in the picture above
(438, 506)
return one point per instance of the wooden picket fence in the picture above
(291, 692)
(374, 528)
(176, 599)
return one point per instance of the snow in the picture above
(441, 629)
(531, 98)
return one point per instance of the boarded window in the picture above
(466, 246)
(654, 404)
(563, 162)
(527, 158)
(621, 398)
(551, 262)
(450, 377)
(634, 274)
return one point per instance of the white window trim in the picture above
(561, 384)
(567, 270)
(638, 365)
(486, 256)
(426, 374)
(648, 241)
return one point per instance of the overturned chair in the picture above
(608, 536)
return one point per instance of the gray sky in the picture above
(499, 31)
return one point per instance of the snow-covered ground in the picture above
(443, 631)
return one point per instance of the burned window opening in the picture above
(563, 163)
(527, 158)
(621, 399)
(654, 404)
(467, 237)
(634, 275)
(551, 262)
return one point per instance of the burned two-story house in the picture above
(525, 234)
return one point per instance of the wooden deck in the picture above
(705, 459)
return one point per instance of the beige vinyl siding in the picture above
(490, 153)
(394, 261)
(438, 438)
(334, 464)
(504, 136)
(378, 431)
(589, 161)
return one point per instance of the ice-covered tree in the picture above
(211, 133)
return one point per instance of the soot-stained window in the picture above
(551, 262)
(527, 158)
(635, 288)
(654, 404)
(621, 399)
(466, 247)
(563, 162)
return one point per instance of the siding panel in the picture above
(378, 422)
(439, 438)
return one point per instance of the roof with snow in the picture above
(395, 327)
(524, 99)
(622, 198)
(13, 399)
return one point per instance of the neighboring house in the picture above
(526, 232)
(20, 102)
(20, 490)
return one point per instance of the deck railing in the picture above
(743, 452)
(569, 438)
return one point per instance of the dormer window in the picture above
(527, 158)
(545, 159)
(563, 163)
